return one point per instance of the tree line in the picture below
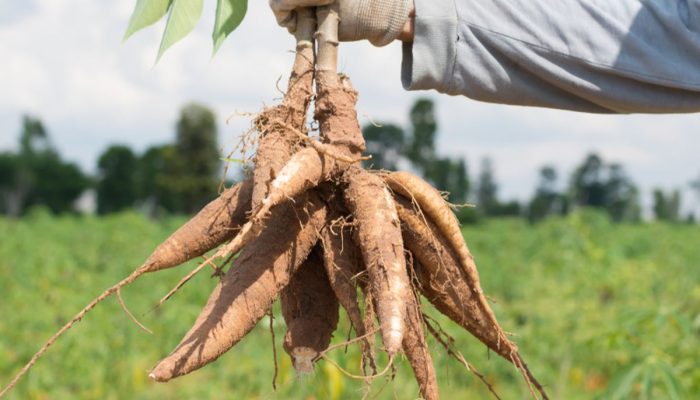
(179, 177)
(594, 183)
(182, 176)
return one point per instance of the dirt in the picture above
(216, 223)
(248, 289)
(310, 310)
(378, 235)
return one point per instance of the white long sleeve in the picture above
(621, 56)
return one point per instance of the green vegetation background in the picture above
(600, 310)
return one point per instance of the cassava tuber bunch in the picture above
(311, 227)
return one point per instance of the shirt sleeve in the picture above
(622, 56)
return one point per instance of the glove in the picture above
(379, 21)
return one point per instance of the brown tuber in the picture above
(248, 289)
(310, 310)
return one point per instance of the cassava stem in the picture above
(327, 37)
(339, 128)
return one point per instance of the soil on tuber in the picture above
(310, 310)
(247, 291)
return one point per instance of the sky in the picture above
(65, 62)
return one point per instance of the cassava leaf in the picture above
(671, 382)
(146, 12)
(647, 381)
(229, 14)
(624, 386)
(184, 15)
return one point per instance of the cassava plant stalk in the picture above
(340, 134)
(305, 59)
(327, 37)
(335, 106)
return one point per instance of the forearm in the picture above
(622, 56)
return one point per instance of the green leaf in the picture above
(623, 387)
(685, 324)
(229, 14)
(184, 15)
(146, 12)
(671, 383)
(647, 378)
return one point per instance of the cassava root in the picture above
(310, 227)
(310, 310)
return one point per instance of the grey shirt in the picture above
(619, 56)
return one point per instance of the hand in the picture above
(379, 21)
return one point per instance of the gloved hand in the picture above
(379, 21)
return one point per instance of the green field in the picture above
(598, 310)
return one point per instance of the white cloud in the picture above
(13, 12)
